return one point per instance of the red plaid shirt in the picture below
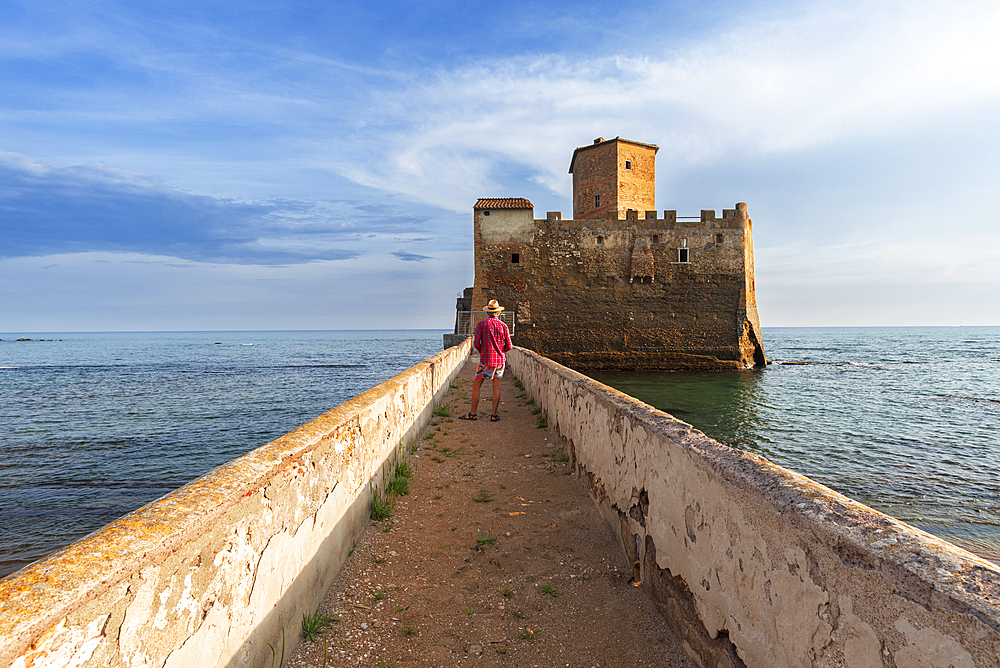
(492, 340)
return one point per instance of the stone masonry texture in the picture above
(622, 173)
(620, 287)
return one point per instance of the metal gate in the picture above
(466, 321)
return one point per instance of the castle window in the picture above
(718, 238)
(600, 240)
(597, 201)
(515, 258)
(656, 238)
(628, 164)
(682, 255)
(486, 213)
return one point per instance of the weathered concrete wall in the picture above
(613, 294)
(210, 574)
(756, 565)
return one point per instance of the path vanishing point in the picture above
(532, 577)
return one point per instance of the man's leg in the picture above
(476, 384)
(496, 395)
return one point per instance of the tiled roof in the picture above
(601, 141)
(503, 203)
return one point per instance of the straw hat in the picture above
(493, 307)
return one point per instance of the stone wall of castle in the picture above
(620, 172)
(649, 292)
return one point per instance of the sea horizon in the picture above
(425, 329)
(905, 419)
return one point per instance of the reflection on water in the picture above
(726, 406)
(906, 420)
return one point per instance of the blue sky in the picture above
(300, 165)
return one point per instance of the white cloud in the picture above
(790, 111)
(103, 291)
(833, 73)
(51, 209)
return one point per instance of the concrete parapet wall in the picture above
(754, 564)
(208, 575)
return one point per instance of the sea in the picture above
(903, 419)
(95, 425)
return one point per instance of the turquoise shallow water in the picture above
(906, 420)
(98, 424)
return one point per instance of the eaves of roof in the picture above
(503, 203)
(608, 141)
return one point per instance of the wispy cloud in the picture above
(829, 74)
(101, 291)
(295, 137)
(410, 257)
(51, 209)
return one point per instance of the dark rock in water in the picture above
(218, 343)
(23, 339)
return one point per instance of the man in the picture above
(492, 340)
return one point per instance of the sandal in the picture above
(468, 416)
(494, 418)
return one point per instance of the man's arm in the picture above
(477, 338)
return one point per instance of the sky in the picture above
(313, 165)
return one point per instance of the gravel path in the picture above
(495, 557)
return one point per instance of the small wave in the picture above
(246, 344)
(870, 365)
(957, 396)
(10, 367)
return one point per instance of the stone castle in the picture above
(619, 286)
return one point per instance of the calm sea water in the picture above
(94, 425)
(905, 420)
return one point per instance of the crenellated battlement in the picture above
(648, 219)
(658, 290)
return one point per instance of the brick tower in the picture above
(613, 175)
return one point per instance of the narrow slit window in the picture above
(515, 258)
(628, 164)
(682, 255)
(656, 238)
(597, 201)
(600, 240)
(718, 238)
